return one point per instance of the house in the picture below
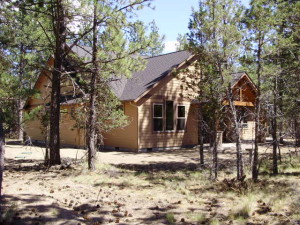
(157, 101)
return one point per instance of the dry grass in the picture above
(150, 195)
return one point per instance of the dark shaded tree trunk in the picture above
(20, 101)
(200, 135)
(239, 156)
(59, 58)
(20, 120)
(2, 152)
(274, 130)
(46, 159)
(214, 168)
(257, 112)
(297, 133)
(275, 144)
(91, 135)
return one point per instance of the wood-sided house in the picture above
(157, 102)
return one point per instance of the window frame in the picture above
(162, 117)
(180, 118)
(173, 118)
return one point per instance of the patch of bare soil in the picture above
(160, 190)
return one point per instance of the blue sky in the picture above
(171, 17)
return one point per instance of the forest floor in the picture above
(148, 188)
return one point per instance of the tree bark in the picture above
(59, 58)
(200, 135)
(20, 120)
(297, 133)
(239, 156)
(214, 169)
(274, 130)
(275, 145)
(2, 152)
(257, 112)
(91, 135)
(20, 101)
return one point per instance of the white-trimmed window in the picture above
(169, 106)
(158, 120)
(181, 117)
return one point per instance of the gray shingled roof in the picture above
(236, 77)
(157, 68)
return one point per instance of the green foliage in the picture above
(182, 42)
(170, 218)
(24, 50)
(215, 37)
(156, 45)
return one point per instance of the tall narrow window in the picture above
(181, 117)
(169, 115)
(158, 117)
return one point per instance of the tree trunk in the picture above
(200, 135)
(214, 169)
(91, 135)
(297, 133)
(257, 113)
(274, 130)
(20, 101)
(59, 58)
(239, 156)
(2, 152)
(46, 160)
(20, 120)
(275, 145)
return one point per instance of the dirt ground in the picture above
(139, 188)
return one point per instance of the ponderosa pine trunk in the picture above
(20, 100)
(2, 152)
(214, 168)
(274, 131)
(200, 135)
(297, 133)
(59, 58)
(257, 112)
(91, 135)
(239, 156)
(275, 144)
(20, 120)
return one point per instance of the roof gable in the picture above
(237, 77)
(156, 69)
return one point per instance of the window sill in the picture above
(169, 132)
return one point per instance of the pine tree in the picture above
(113, 56)
(182, 42)
(260, 21)
(214, 36)
(157, 41)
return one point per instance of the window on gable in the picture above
(169, 115)
(181, 117)
(158, 117)
(242, 116)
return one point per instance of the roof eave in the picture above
(190, 59)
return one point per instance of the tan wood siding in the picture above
(173, 90)
(69, 134)
(126, 137)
